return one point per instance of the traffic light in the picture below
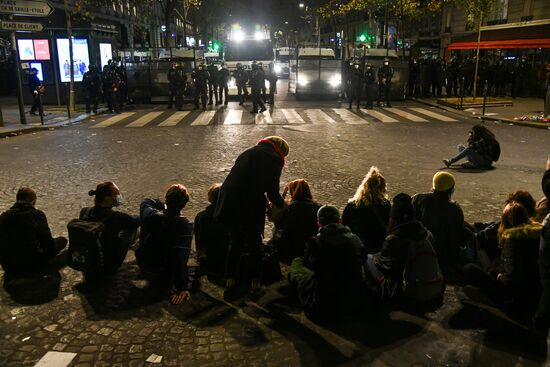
(362, 38)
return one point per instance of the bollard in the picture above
(485, 90)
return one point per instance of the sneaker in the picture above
(447, 163)
(263, 110)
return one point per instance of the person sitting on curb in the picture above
(119, 234)
(483, 149)
(211, 237)
(165, 241)
(329, 277)
(444, 218)
(26, 242)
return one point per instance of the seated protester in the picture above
(401, 254)
(487, 236)
(543, 205)
(26, 243)
(165, 240)
(120, 230)
(542, 316)
(367, 214)
(211, 237)
(515, 285)
(444, 218)
(298, 223)
(483, 149)
(329, 278)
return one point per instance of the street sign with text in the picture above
(21, 26)
(32, 8)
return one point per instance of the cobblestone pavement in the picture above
(124, 324)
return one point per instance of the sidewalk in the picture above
(55, 116)
(521, 107)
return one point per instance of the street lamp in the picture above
(301, 5)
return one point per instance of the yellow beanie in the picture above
(443, 181)
(280, 143)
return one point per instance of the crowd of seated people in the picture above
(405, 250)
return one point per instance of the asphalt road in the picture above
(330, 148)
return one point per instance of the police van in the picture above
(283, 56)
(315, 71)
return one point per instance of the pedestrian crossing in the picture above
(282, 116)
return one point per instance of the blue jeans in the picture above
(472, 155)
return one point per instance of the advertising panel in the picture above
(26, 50)
(81, 59)
(106, 53)
(41, 49)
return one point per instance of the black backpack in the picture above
(85, 251)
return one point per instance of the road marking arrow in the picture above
(33, 8)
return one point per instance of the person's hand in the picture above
(178, 297)
(499, 276)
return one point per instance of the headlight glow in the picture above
(278, 68)
(335, 81)
(303, 81)
(232, 83)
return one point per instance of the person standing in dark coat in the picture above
(257, 82)
(110, 83)
(175, 86)
(272, 80)
(223, 84)
(414, 76)
(453, 78)
(165, 241)
(201, 79)
(299, 222)
(92, 85)
(355, 84)
(425, 78)
(241, 78)
(329, 277)
(445, 220)
(385, 75)
(213, 84)
(263, 88)
(370, 85)
(36, 89)
(26, 243)
(367, 214)
(242, 203)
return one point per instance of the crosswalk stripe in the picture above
(436, 116)
(380, 116)
(405, 114)
(145, 119)
(292, 117)
(174, 119)
(263, 118)
(319, 116)
(349, 117)
(234, 117)
(203, 118)
(113, 120)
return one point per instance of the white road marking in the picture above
(292, 117)
(319, 116)
(145, 119)
(408, 116)
(234, 117)
(203, 118)
(349, 117)
(434, 115)
(55, 359)
(174, 119)
(380, 116)
(113, 120)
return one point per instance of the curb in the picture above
(27, 130)
(534, 124)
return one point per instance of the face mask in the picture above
(386, 63)
(357, 66)
(118, 200)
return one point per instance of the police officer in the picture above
(120, 74)
(35, 87)
(452, 75)
(213, 84)
(92, 85)
(257, 80)
(355, 84)
(385, 75)
(272, 79)
(414, 75)
(174, 84)
(110, 88)
(370, 82)
(223, 81)
(241, 78)
(499, 72)
(264, 89)
(201, 78)
(439, 78)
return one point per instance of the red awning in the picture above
(521, 43)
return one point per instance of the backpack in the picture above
(422, 278)
(85, 251)
(496, 151)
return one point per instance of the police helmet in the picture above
(239, 65)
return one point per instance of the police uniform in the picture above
(385, 75)
(355, 84)
(370, 82)
(212, 84)
(241, 78)
(223, 80)
(92, 85)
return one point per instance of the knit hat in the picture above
(443, 181)
(328, 214)
(402, 209)
(279, 142)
